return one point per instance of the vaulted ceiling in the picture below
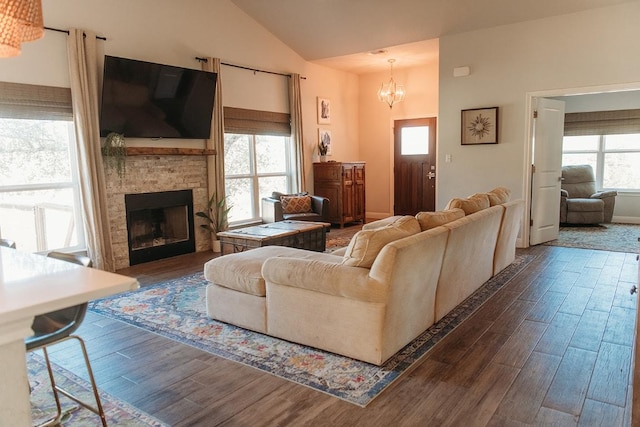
(342, 33)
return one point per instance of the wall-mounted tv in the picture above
(146, 100)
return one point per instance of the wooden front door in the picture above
(414, 166)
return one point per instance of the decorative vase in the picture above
(323, 158)
(215, 246)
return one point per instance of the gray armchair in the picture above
(272, 210)
(579, 201)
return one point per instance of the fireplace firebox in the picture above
(159, 225)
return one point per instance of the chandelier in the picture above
(391, 92)
(20, 21)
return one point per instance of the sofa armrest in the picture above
(325, 277)
(271, 210)
(604, 194)
(320, 205)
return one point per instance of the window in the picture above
(39, 196)
(614, 158)
(257, 160)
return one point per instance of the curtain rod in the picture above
(67, 32)
(248, 68)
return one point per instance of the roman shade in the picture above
(256, 122)
(24, 101)
(602, 122)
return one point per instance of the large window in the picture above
(614, 158)
(38, 180)
(257, 160)
(255, 166)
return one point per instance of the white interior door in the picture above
(548, 130)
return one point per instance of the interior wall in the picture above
(168, 32)
(376, 126)
(585, 49)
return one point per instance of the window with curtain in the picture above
(609, 141)
(39, 197)
(257, 160)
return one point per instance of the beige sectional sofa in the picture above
(397, 277)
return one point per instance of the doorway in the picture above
(414, 165)
(579, 93)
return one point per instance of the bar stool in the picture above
(8, 243)
(56, 327)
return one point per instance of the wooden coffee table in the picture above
(294, 234)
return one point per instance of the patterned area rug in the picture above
(609, 237)
(176, 310)
(43, 405)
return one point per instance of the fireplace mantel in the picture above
(169, 151)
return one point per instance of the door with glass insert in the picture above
(414, 166)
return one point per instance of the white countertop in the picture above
(33, 284)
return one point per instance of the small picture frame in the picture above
(324, 137)
(480, 126)
(324, 111)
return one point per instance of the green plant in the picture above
(114, 151)
(323, 148)
(217, 214)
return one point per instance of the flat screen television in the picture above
(146, 100)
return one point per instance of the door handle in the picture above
(431, 175)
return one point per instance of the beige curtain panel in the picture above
(295, 106)
(83, 71)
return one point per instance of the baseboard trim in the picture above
(626, 219)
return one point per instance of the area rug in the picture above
(43, 405)
(175, 309)
(605, 237)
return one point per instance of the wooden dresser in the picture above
(343, 184)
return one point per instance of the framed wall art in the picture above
(480, 126)
(324, 111)
(324, 139)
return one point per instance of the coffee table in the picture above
(294, 234)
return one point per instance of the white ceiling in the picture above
(341, 33)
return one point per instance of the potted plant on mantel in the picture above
(217, 215)
(114, 151)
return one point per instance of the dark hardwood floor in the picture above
(553, 347)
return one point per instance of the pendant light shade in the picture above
(391, 92)
(20, 21)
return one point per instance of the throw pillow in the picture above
(429, 220)
(295, 204)
(278, 195)
(499, 196)
(366, 244)
(471, 204)
(406, 222)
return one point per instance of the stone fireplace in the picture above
(159, 225)
(153, 174)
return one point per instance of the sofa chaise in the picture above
(397, 277)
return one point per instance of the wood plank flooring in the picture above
(553, 347)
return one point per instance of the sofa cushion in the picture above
(243, 271)
(366, 244)
(499, 196)
(429, 220)
(381, 222)
(295, 204)
(471, 204)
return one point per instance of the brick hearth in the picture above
(146, 174)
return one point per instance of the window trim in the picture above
(600, 153)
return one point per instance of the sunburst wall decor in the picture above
(480, 126)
